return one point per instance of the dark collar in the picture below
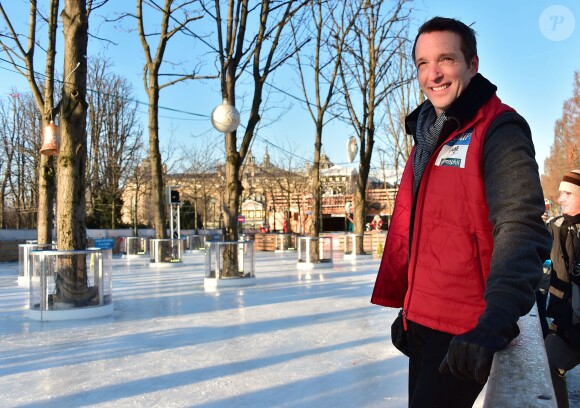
(464, 108)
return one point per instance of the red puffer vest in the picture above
(441, 281)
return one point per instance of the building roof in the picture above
(338, 170)
(390, 175)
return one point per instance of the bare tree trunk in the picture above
(46, 199)
(157, 190)
(2, 208)
(73, 144)
(113, 220)
(135, 220)
(46, 174)
(232, 200)
(72, 278)
(315, 225)
(152, 86)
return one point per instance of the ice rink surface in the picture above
(295, 339)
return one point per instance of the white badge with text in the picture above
(454, 152)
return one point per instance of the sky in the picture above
(529, 49)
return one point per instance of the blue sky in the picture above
(529, 49)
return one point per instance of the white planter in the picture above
(72, 284)
(285, 242)
(194, 243)
(314, 252)
(351, 247)
(135, 248)
(239, 274)
(165, 252)
(25, 273)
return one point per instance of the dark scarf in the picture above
(568, 221)
(429, 130)
(427, 136)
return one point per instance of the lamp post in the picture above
(212, 201)
(135, 228)
(195, 214)
(174, 204)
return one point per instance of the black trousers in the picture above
(428, 388)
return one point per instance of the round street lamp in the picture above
(225, 118)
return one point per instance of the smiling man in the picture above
(466, 244)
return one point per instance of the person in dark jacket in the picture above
(563, 342)
(466, 240)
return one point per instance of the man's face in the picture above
(442, 70)
(569, 203)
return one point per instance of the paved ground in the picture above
(295, 339)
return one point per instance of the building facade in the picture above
(273, 198)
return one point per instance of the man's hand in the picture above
(399, 335)
(470, 354)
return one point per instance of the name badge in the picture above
(454, 152)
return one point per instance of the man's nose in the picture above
(561, 198)
(435, 72)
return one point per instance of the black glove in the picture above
(399, 335)
(470, 355)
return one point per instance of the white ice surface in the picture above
(295, 339)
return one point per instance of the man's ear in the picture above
(474, 66)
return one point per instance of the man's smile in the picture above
(440, 88)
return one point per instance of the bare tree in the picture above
(264, 50)
(44, 100)
(7, 138)
(176, 17)
(565, 151)
(555, 165)
(30, 159)
(22, 151)
(73, 130)
(399, 104)
(115, 142)
(136, 189)
(199, 165)
(287, 181)
(319, 65)
(372, 53)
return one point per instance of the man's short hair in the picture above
(465, 33)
